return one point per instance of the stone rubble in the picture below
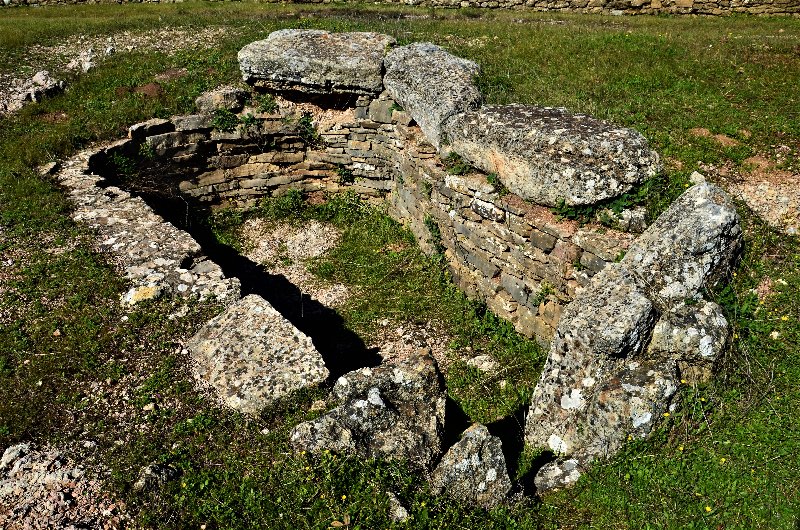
(252, 356)
(393, 411)
(42, 488)
(22, 91)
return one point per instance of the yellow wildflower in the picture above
(708, 509)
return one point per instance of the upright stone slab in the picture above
(431, 85)
(251, 356)
(474, 470)
(689, 246)
(316, 62)
(391, 411)
(548, 155)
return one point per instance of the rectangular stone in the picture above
(542, 240)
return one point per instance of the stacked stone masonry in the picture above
(609, 7)
(518, 257)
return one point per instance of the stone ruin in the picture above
(621, 310)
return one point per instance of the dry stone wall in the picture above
(609, 7)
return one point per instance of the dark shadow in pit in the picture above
(511, 431)
(341, 349)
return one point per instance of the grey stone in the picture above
(548, 155)
(316, 61)
(251, 356)
(152, 127)
(696, 333)
(431, 85)
(607, 321)
(154, 476)
(557, 474)
(12, 454)
(691, 245)
(474, 470)
(391, 411)
(192, 122)
(397, 512)
(223, 98)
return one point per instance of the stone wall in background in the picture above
(609, 7)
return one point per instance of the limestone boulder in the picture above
(223, 98)
(393, 411)
(474, 470)
(548, 155)
(316, 62)
(690, 246)
(431, 85)
(608, 321)
(251, 356)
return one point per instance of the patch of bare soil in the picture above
(773, 193)
(396, 341)
(42, 488)
(287, 249)
(149, 90)
(722, 139)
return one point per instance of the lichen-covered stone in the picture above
(695, 333)
(431, 85)
(158, 258)
(474, 470)
(251, 356)
(548, 155)
(557, 474)
(223, 98)
(607, 321)
(316, 61)
(691, 245)
(390, 411)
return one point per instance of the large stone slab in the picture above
(431, 85)
(608, 321)
(548, 155)
(391, 411)
(689, 246)
(474, 470)
(316, 61)
(251, 356)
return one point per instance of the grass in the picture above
(69, 354)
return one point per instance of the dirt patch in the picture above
(54, 117)
(400, 340)
(171, 74)
(286, 249)
(150, 90)
(722, 139)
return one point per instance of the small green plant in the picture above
(290, 204)
(545, 290)
(455, 165)
(147, 152)
(306, 129)
(396, 106)
(248, 120)
(499, 187)
(124, 166)
(427, 188)
(267, 104)
(224, 120)
(436, 234)
(346, 175)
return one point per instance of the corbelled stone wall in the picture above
(611, 7)
(518, 257)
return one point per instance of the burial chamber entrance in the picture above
(619, 306)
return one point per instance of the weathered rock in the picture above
(154, 476)
(397, 512)
(474, 470)
(693, 333)
(609, 320)
(691, 245)
(548, 155)
(431, 85)
(13, 454)
(316, 61)
(224, 98)
(390, 411)
(34, 89)
(557, 474)
(253, 356)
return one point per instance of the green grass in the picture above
(64, 340)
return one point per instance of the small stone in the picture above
(474, 470)
(154, 476)
(223, 98)
(484, 363)
(397, 512)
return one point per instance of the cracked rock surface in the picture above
(395, 411)
(547, 155)
(251, 356)
(316, 61)
(474, 470)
